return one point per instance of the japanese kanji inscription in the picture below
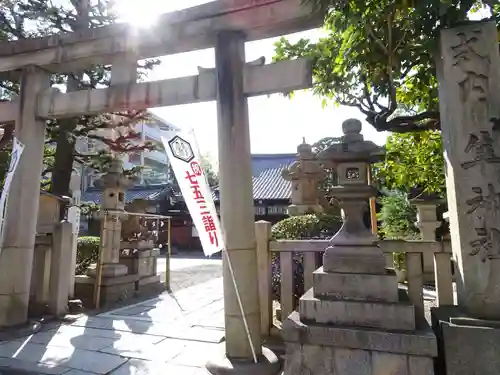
(207, 219)
(482, 147)
(487, 246)
(489, 202)
(474, 63)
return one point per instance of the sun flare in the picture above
(145, 13)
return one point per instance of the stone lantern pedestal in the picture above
(355, 320)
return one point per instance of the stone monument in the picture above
(355, 320)
(116, 283)
(469, 95)
(427, 223)
(305, 174)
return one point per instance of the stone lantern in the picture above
(427, 223)
(114, 185)
(305, 174)
(352, 319)
(352, 158)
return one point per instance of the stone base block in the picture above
(354, 286)
(109, 270)
(267, 364)
(117, 289)
(384, 315)
(354, 259)
(318, 349)
(113, 289)
(466, 345)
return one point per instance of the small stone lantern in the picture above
(305, 175)
(352, 158)
(114, 185)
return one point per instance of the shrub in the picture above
(87, 252)
(398, 218)
(312, 226)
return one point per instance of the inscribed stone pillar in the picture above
(469, 94)
(59, 270)
(305, 174)
(236, 200)
(16, 257)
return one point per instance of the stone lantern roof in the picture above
(353, 146)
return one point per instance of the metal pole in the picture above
(168, 255)
(98, 274)
(373, 207)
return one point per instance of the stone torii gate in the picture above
(223, 24)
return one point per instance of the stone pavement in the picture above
(172, 334)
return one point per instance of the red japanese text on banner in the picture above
(185, 159)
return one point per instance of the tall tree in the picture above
(23, 19)
(413, 161)
(378, 56)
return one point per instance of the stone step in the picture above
(354, 259)
(352, 286)
(382, 315)
(421, 342)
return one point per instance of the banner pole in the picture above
(238, 297)
(231, 272)
(168, 255)
(229, 263)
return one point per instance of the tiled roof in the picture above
(142, 192)
(266, 176)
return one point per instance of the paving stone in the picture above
(197, 354)
(141, 367)
(163, 351)
(78, 372)
(202, 334)
(71, 341)
(85, 360)
(133, 325)
(30, 367)
(136, 310)
(171, 334)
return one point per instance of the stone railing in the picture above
(285, 249)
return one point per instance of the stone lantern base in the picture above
(355, 321)
(136, 274)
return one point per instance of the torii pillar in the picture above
(19, 231)
(237, 215)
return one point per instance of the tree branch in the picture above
(427, 120)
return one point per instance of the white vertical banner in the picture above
(185, 159)
(15, 156)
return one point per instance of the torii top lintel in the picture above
(176, 32)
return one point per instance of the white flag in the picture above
(15, 156)
(185, 159)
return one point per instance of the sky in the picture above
(277, 124)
